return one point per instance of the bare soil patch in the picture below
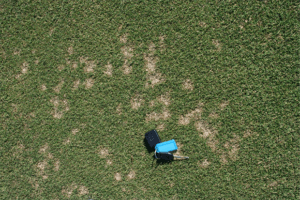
(68, 191)
(76, 84)
(82, 190)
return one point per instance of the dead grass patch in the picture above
(89, 83)
(82, 190)
(108, 162)
(187, 85)
(127, 69)
(273, 184)
(131, 175)
(44, 148)
(66, 141)
(119, 109)
(58, 113)
(202, 24)
(15, 107)
(56, 165)
(213, 115)
(202, 127)
(17, 52)
(24, 69)
(165, 99)
(75, 130)
(118, 177)
(76, 84)
(43, 87)
(217, 45)
(40, 168)
(50, 156)
(204, 163)
(150, 64)
(178, 152)
(193, 115)
(103, 152)
(59, 86)
(161, 43)
(70, 50)
(223, 105)
(74, 65)
(68, 191)
(136, 102)
(158, 116)
(60, 67)
(109, 69)
(160, 127)
(89, 66)
(123, 38)
(36, 62)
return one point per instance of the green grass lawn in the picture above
(81, 83)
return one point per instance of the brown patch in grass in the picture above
(56, 165)
(160, 127)
(41, 166)
(103, 152)
(223, 158)
(158, 116)
(161, 43)
(213, 115)
(67, 141)
(127, 52)
(123, 38)
(59, 86)
(127, 69)
(82, 190)
(152, 103)
(43, 87)
(165, 99)
(51, 31)
(118, 177)
(131, 175)
(249, 133)
(204, 163)
(17, 52)
(152, 76)
(60, 67)
(50, 156)
(202, 24)
(109, 69)
(36, 62)
(187, 85)
(76, 84)
(89, 66)
(119, 109)
(75, 130)
(108, 162)
(273, 184)
(24, 69)
(217, 44)
(57, 113)
(70, 50)
(223, 105)
(17, 150)
(15, 107)
(201, 127)
(74, 65)
(68, 191)
(136, 102)
(89, 83)
(44, 148)
(178, 152)
(193, 115)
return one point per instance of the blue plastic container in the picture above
(167, 146)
